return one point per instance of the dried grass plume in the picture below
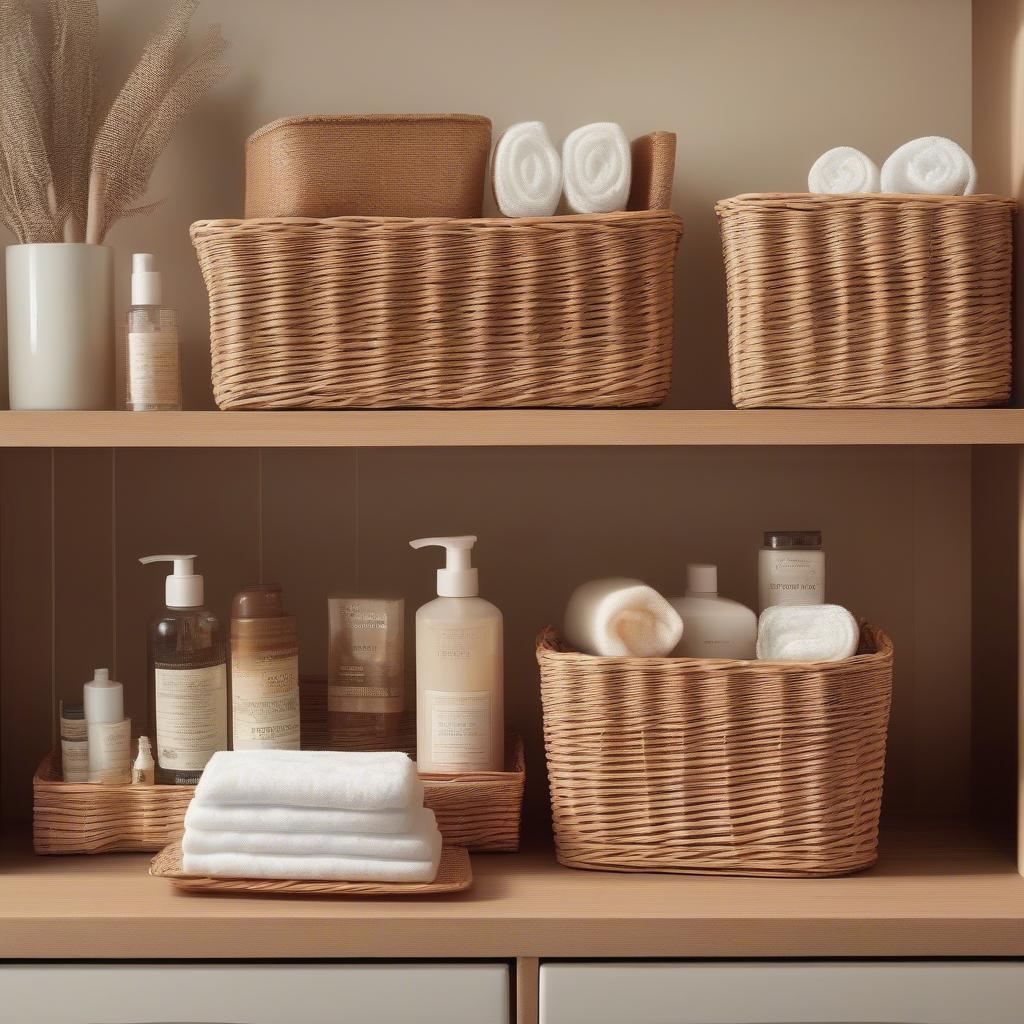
(67, 171)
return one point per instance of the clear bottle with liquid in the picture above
(188, 692)
(153, 370)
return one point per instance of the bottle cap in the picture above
(258, 601)
(786, 540)
(184, 589)
(702, 579)
(458, 578)
(104, 699)
(146, 284)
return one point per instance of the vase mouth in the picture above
(56, 245)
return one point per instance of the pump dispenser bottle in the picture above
(188, 698)
(153, 377)
(459, 670)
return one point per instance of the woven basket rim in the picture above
(808, 199)
(550, 646)
(349, 119)
(623, 218)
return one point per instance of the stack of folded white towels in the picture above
(323, 815)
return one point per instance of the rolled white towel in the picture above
(619, 618)
(323, 869)
(526, 171)
(315, 820)
(843, 171)
(931, 165)
(807, 632)
(421, 843)
(354, 781)
(597, 168)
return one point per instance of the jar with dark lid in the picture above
(791, 568)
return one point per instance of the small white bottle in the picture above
(713, 626)
(791, 568)
(144, 768)
(109, 732)
(460, 713)
(153, 378)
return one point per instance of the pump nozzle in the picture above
(458, 578)
(184, 588)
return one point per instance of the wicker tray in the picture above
(454, 874)
(480, 811)
(868, 301)
(735, 767)
(377, 312)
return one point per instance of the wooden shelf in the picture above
(500, 427)
(938, 891)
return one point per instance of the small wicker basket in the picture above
(734, 767)
(868, 301)
(387, 312)
(480, 811)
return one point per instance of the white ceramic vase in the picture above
(60, 326)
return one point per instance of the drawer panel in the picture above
(255, 993)
(784, 993)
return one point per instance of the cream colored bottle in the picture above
(460, 695)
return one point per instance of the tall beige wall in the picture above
(755, 90)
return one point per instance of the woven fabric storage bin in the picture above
(691, 766)
(380, 165)
(868, 301)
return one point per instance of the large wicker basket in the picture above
(377, 312)
(692, 766)
(868, 301)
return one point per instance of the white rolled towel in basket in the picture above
(597, 168)
(621, 618)
(932, 166)
(811, 632)
(843, 171)
(526, 171)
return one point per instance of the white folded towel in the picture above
(620, 617)
(355, 781)
(843, 171)
(596, 168)
(419, 844)
(807, 632)
(931, 165)
(310, 820)
(526, 171)
(326, 869)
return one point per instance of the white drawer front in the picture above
(825, 993)
(255, 994)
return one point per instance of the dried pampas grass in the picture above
(66, 174)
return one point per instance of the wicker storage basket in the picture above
(480, 811)
(388, 312)
(377, 165)
(868, 301)
(691, 766)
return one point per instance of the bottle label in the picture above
(191, 716)
(110, 752)
(265, 723)
(460, 727)
(73, 729)
(75, 754)
(154, 376)
(367, 665)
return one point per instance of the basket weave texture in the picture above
(480, 811)
(382, 165)
(868, 301)
(390, 312)
(691, 766)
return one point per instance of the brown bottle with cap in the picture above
(264, 671)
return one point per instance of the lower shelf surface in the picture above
(936, 891)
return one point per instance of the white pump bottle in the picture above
(460, 696)
(153, 371)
